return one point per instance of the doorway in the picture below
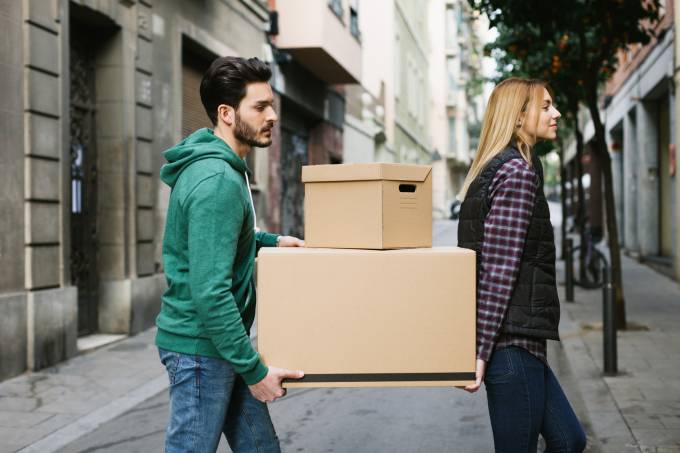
(83, 176)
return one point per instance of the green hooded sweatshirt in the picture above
(209, 253)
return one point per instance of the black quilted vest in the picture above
(534, 309)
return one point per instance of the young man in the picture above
(218, 383)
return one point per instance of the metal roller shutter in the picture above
(193, 113)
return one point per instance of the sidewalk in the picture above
(45, 410)
(638, 410)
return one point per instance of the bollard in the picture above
(569, 270)
(609, 324)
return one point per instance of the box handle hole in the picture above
(410, 188)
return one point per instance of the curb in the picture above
(612, 433)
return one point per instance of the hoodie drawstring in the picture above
(252, 205)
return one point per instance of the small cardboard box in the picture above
(368, 206)
(368, 318)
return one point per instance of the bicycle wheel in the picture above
(589, 268)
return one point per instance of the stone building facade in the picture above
(93, 92)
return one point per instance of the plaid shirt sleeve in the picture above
(512, 195)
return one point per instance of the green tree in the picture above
(574, 44)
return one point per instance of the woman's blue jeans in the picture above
(526, 400)
(207, 398)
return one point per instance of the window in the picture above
(259, 7)
(451, 75)
(412, 89)
(452, 135)
(354, 19)
(420, 18)
(335, 109)
(336, 7)
(450, 19)
(474, 130)
(421, 98)
(397, 67)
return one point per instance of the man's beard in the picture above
(248, 135)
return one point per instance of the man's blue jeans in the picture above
(207, 398)
(526, 400)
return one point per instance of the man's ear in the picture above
(226, 113)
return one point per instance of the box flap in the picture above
(274, 251)
(365, 172)
(401, 172)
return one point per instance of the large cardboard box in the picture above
(368, 206)
(367, 318)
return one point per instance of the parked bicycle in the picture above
(589, 262)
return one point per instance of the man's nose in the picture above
(271, 115)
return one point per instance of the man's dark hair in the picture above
(226, 79)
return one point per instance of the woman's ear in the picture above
(524, 115)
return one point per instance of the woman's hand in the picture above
(479, 376)
(290, 241)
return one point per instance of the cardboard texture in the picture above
(367, 318)
(368, 206)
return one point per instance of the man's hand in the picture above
(290, 241)
(479, 375)
(269, 388)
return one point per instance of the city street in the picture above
(334, 420)
(144, 141)
(115, 399)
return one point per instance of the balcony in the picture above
(320, 40)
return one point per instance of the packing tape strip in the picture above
(385, 377)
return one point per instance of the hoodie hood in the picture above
(202, 144)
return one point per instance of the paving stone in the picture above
(608, 423)
(644, 421)
(657, 437)
(628, 395)
(671, 421)
(16, 419)
(656, 393)
(675, 449)
(18, 404)
(617, 444)
(80, 403)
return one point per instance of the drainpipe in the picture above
(676, 71)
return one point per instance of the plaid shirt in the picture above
(512, 194)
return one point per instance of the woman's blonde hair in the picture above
(509, 100)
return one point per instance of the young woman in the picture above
(505, 219)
